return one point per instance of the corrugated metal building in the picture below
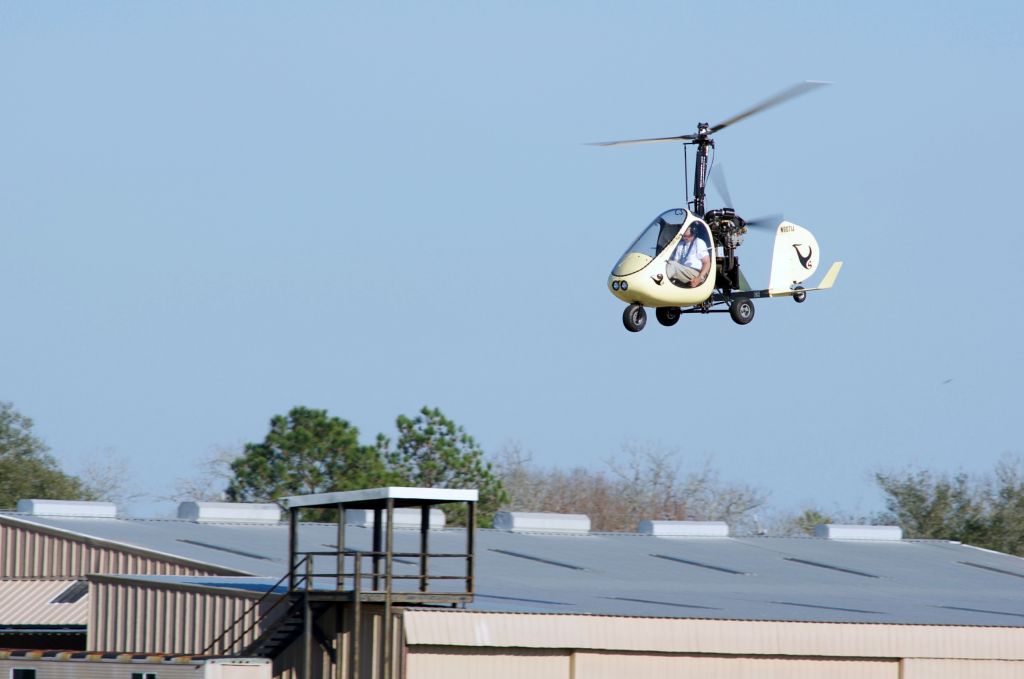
(552, 605)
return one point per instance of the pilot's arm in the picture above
(705, 269)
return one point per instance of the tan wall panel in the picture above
(288, 665)
(720, 637)
(962, 669)
(451, 663)
(26, 553)
(617, 666)
(238, 672)
(27, 602)
(135, 618)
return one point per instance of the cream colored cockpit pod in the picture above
(794, 258)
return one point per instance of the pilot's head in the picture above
(688, 233)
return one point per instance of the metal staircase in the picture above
(317, 582)
(279, 634)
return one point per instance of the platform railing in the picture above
(304, 579)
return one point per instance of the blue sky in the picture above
(212, 212)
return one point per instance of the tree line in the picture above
(309, 451)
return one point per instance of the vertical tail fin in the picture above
(794, 258)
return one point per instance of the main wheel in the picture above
(800, 295)
(667, 315)
(742, 311)
(634, 318)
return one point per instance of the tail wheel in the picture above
(742, 311)
(634, 318)
(800, 295)
(667, 315)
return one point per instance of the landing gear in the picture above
(667, 315)
(800, 295)
(634, 318)
(742, 311)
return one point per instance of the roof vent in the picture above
(405, 517)
(542, 522)
(837, 531)
(77, 508)
(229, 512)
(684, 529)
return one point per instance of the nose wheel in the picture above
(742, 311)
(634, 318)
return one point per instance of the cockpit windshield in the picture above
(661, 231)
(652, 241)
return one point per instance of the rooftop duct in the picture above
(405, 517)
(684, 529)
(837, 531)
(541, 522)
(79, 508)
(229, 512)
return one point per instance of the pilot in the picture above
(690, 264)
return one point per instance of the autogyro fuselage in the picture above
(685, 260)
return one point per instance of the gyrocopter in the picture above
(685, 261)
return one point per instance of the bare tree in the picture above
(108, 476)
(210, 484)
(646, 482)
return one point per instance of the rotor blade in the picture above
(765, 221)
(784, 95)
(684, 137)
(721, 186)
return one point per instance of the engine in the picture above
(727, 227)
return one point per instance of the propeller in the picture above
(784, 95)
(721, 186)
(624, 142)
(717, 179)
(766, 221)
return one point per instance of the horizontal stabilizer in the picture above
(827, 282)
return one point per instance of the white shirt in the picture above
(692, 254)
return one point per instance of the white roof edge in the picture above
(117, 543)
(168, 581)
(387, 493)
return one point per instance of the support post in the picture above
(307, 634)
(424, 546)
(341, 547)
(378, 527)
(293, 545)
(357, 619)
(339, 642)
(386, 664)
(339, 635)
(470, 546)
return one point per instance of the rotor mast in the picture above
(700, 170)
